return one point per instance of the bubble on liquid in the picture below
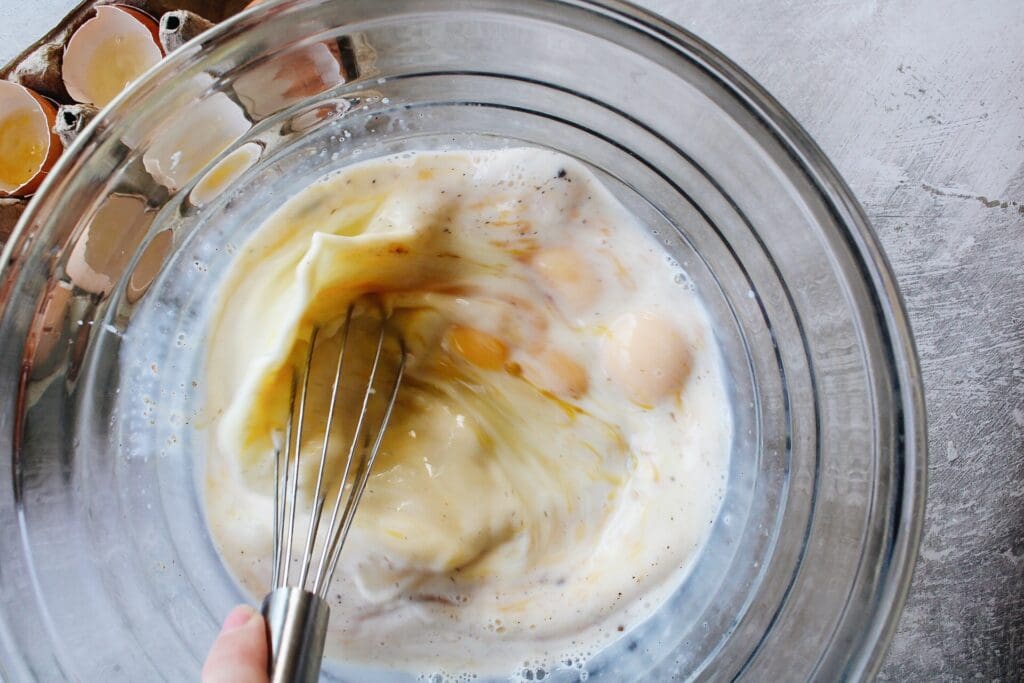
(680, 278)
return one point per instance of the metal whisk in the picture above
(297, 616)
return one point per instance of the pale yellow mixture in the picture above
(559, 448)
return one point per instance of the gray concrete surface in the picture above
(920, 104)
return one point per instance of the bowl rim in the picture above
(868, 653)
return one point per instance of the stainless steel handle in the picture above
(297, 625)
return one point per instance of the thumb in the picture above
(239, 655)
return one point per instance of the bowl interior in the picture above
(115, 577)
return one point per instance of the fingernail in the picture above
(238, 618)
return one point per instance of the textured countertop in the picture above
(920, 104)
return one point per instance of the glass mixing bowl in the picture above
(108, 572)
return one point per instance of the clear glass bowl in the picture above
(108, 572)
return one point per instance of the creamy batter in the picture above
(559, 448)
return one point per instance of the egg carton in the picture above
(39, 66)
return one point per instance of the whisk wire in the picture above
(292, 494)
(339, 535)
(318, 506)
(279, 471)
(350, 457)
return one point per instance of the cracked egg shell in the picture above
(289, 77)
(28, 145)
(102, 251)
(181, 151)
(224, 173)
(108, 52)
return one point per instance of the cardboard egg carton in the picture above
(39, 66)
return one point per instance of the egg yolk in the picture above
(568, 274)
(647, 357)
(483, 350)
(22, 149)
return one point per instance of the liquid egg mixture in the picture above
(560, 444)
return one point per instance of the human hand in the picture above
(239, 655)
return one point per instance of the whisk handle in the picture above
(297, 625)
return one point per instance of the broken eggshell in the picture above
(102, 251)
(145, 126)
(149, 265)
(181, 150)
(224, 172)
(28, 145)
(48, 324)
(288, 78)
(174, 152)
(108, 52)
